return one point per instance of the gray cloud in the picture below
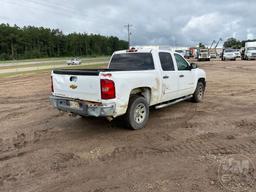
(165, 22)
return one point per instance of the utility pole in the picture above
(129, 33)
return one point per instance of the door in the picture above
(169, 77)
(186, 77)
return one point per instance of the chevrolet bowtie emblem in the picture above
(73, 86)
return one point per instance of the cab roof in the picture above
(142, 50)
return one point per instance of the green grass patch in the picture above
(29, 73)
(32, 65)
(48, 59)
(53, 64)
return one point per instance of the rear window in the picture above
(132, 61)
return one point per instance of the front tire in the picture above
(137, 113)
(199, 92)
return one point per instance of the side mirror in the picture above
(193, 66)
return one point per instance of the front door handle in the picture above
(165, 77)
(181, 76)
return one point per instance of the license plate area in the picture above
(74, 105)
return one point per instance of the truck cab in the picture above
(203, 54)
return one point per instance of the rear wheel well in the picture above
(142, 91)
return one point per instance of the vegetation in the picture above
(36, 72)
(243, 42)
(232, 43)
(235, 43)
(201, 45)
(38, 42)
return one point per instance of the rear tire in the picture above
(137, 113)
(199, 92)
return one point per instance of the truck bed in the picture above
(88, 72)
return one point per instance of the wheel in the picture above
(137, 113)
(199, 92)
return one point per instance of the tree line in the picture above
(38, 42)
(235, 43)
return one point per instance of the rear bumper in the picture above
(83, 108)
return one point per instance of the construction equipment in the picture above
(215, 48)
(212, 43)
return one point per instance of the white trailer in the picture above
(250, 50)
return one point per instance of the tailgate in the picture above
(83, 86)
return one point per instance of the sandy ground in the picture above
(180, 149)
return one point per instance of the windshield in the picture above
(132, 61)
(229, 50)
(251, 48)
(179, 51)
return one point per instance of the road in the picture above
(45, 61)
(180, 149)
(44, 65)
(35, 68)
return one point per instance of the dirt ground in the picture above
(180, 149)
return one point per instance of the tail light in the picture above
(107, 89)
(52, 85)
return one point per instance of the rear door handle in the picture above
(181, 76)
(165, 77)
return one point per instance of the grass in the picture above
(47, 59)
(52, 63)
(29, 73)
(31, 65)
(31, 60)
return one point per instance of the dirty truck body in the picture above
(133, 81)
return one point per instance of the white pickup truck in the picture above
(133, 81)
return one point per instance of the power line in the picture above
(129, 34)
(50, 6)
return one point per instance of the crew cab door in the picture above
(169, 77)
(186, 76)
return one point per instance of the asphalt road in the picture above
(39, 65)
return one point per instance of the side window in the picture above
(181, 63)
(166, 61)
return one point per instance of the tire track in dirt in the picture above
(25, 99)
(24, 141)
(22, 112)
(198, 146)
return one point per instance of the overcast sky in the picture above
(163, 22)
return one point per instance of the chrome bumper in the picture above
(83, 108)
